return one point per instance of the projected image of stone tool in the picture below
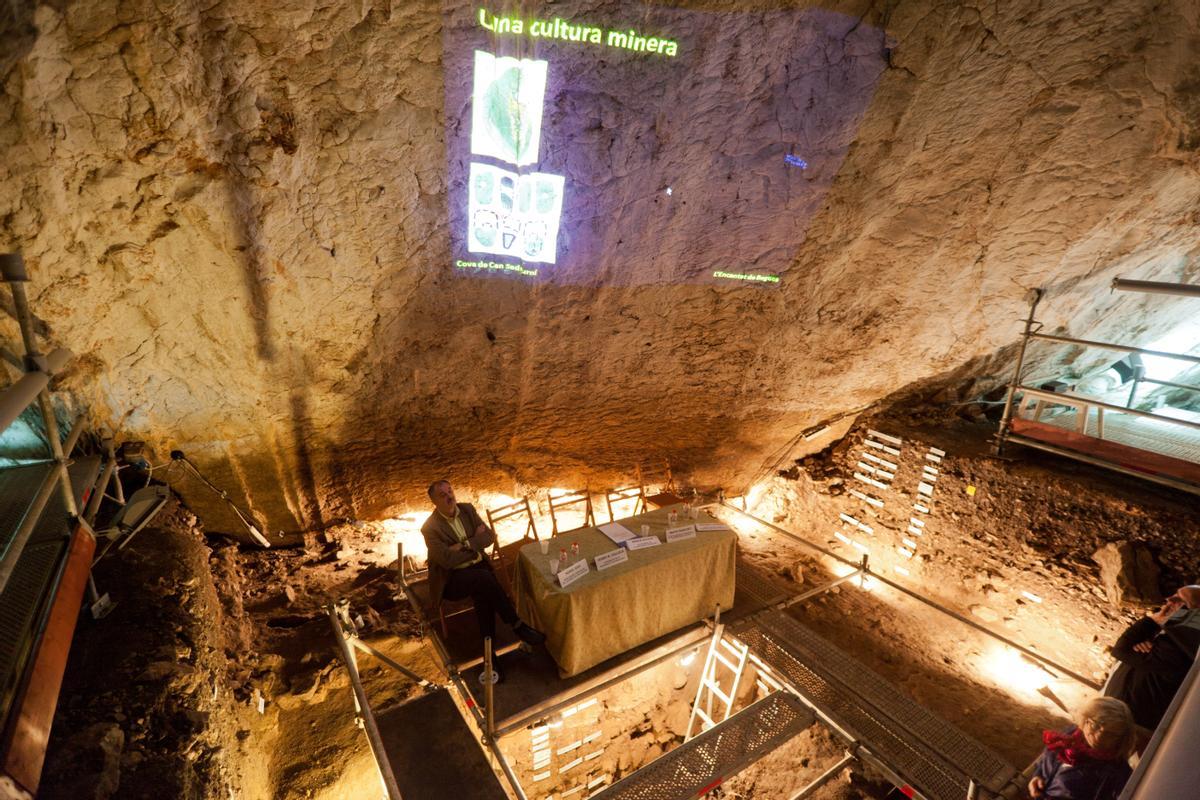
(514, 215)
(506, 118)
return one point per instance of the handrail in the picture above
(1171, 384)
(1156, 287)
(1122, 348)
(25, 390)
(1038, 657)
(1080, 399)
(1168, 769)
(374, 738)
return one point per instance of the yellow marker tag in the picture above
(970, 491)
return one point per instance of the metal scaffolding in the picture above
(1155, 447)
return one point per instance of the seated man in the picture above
(458, 567)
(1156, 653)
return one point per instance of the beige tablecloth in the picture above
(658, 590)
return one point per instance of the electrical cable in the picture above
(178, 457)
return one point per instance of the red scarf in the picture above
(1071, 747)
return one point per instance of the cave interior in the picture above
(881, 318)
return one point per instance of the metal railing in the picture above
(862, 568)
(484, 722)
(1036, 400)
(34, 385)
(1168, 769)
(1019, 395)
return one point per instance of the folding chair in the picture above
(502, 513)
(635, 493)
(666, 497)
(569, 499)
(506, 555)
(466, 604)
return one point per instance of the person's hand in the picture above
(482, 528)
(1143, 647)
(1037, 786)
(1172, 605)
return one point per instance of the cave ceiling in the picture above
(242, 220)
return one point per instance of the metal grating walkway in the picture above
(933, 756)
(755, 590)
(719, 753)
(1151, 435)
(23, 601)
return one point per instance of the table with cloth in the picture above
(604, 613)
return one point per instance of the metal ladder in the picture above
(731, 656)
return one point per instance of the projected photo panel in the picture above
(506, 119)
(626, 145)
(514, 215)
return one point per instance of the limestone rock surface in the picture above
(235, 214)
(1128, 572)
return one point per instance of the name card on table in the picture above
(606, 560)
(642, 542)
(617, 532)
(679, 534)
(568, 575)
(711, 526)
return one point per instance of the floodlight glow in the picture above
(405, 530)
(841, 569)
(754, 495)
(1005, 667)
(1185, 338)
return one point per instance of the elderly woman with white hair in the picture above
(1088, 761)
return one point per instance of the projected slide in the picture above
(514, 215)
(613, 144)
(506, 121)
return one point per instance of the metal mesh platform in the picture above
(23, 601)
(755, 587)
(936, 758)
(719, 753)
(1151, 435)
(424, 735)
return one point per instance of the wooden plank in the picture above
(1119, 454)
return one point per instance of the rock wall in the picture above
(236, 217)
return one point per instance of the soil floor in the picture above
(217, 675)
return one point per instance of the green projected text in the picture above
(585, 34)
(742, 276)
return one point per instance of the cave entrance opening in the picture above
(1152, 437)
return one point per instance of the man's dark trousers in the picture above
(480, 584)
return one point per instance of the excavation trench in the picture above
(252, 696)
